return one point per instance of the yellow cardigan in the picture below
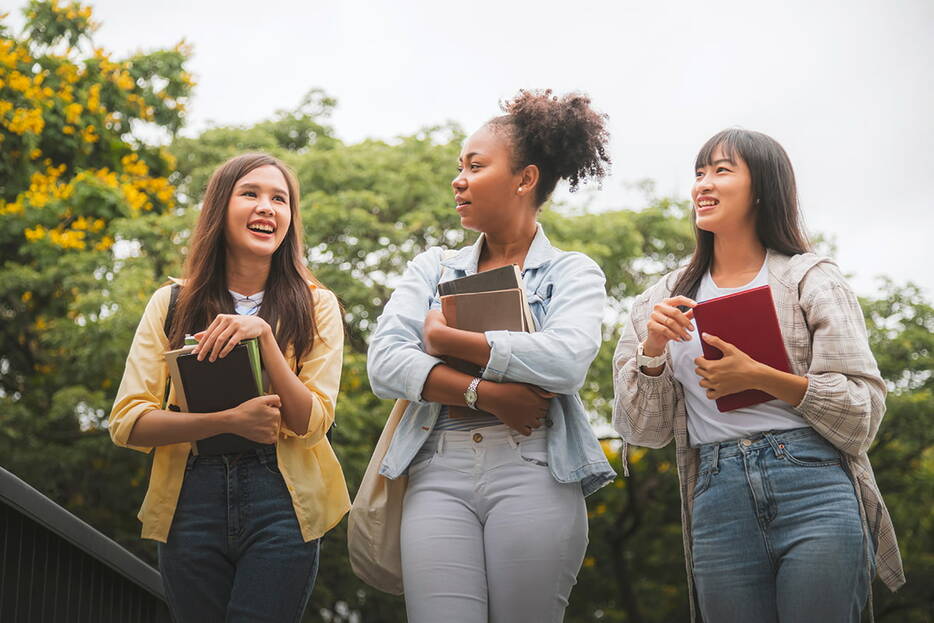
(307, 462)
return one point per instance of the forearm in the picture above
(789, 388)
(466, 345)
(296, 398)
(446, 386)
(161, 428)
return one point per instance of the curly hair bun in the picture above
(563, 136)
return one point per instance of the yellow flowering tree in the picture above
(81, 193)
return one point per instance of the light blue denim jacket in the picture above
(566, 293)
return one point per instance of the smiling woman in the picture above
(783, 520)
(238, 533)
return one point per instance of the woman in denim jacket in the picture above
(783, 521)
(494, 524)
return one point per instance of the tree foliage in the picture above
(94, 218)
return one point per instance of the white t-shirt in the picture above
(706, 424)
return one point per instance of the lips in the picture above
(262, 227)
(706, 203)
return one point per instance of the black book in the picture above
(503, 278)
(215, 386)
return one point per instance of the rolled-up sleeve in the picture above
(643, 406)
(397, 364)
(320, 371)
(845, 398)
(144, 377)
(558, 356)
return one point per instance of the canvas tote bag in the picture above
(376, 518)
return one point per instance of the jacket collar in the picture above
(540, 253)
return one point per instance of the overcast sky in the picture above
(845, 86)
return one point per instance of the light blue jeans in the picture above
(488, 534)
(777, 533)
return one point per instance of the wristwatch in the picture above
(644, 361)
(470, 395)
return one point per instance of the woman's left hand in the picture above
(734, 373)
(435, 325)
(227, 331)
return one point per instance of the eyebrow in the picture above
(471, 155)
(252, 185)
(716, 162)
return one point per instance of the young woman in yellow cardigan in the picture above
(238, 533)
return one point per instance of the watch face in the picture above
(470, 396)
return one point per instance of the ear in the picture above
(528, 180)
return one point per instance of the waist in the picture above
(264, 453)
(758, 441)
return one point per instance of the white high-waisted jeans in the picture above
(488, 535)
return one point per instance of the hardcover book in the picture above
(483, 311)
(207, 387)
(748, 321)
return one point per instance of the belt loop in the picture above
(440, 449)
(777, 447)
(715, 459)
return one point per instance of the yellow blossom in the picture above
(67, 239)
(94, 98)
(35, 153)
(88, 134)
(35, 233)
(26, 120)
(124, 81)
(105, 244)
(73, 112)
(26, 296)
(68, 130)
(590, 561)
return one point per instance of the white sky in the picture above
(841, 84)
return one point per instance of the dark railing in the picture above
(55, 567)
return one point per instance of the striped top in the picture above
(477, 420)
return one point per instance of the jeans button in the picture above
(746, 442)
(477, 437)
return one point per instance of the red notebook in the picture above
(748, 321)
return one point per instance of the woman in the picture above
(494, 525)
(238, 533)
(783, 519)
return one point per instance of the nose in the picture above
(459, 182)
(263, 206)
(703, 183)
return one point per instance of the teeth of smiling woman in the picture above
(266, 229)
(705, 204)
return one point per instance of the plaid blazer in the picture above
(825, 336)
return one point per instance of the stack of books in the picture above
(493, 300)
(208, 387)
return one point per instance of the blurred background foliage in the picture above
(95, 215)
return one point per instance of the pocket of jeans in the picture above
(702, 483)
(272, 467)
(532, 456)
(421, 464)
(811, 453)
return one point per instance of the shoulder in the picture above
(659, 290)
(159, 301)
(324, 298)
(430, 257)
(575, 262)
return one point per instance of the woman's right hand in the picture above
(519, 406)
(666, 323)
(257, 419)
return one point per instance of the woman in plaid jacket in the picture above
(782, 518)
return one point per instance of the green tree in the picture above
(79, 192)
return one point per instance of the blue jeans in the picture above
(235, 551)
(777, 533)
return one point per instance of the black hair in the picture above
(774, 195)
(563, 136)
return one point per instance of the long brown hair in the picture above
(774, 193)
(288, 305)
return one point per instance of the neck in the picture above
(737, 253)
(509, 245)
(247, 275)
